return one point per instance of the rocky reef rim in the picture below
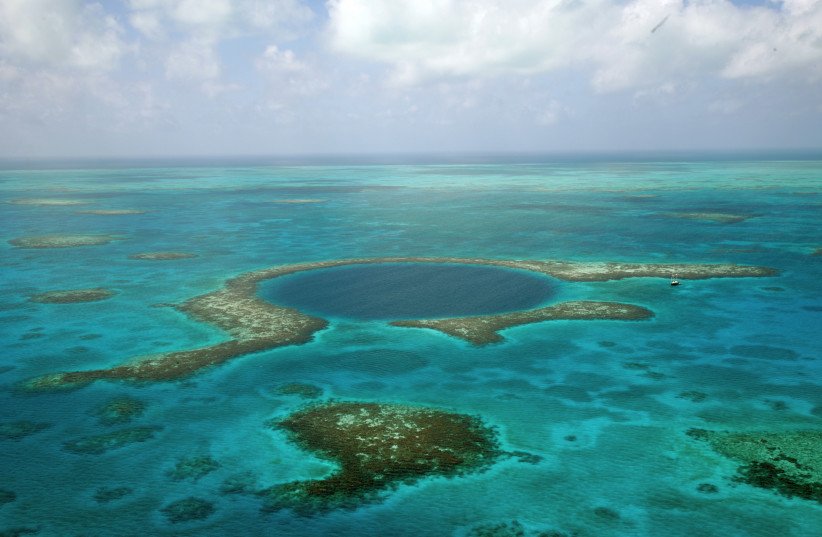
(255, 325)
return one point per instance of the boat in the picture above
(674, 281)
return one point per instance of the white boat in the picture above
(674, 281)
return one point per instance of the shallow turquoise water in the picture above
(752, 346)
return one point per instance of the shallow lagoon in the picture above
(605, 404)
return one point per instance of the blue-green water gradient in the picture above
(599, 401)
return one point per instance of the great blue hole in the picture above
(409, 290)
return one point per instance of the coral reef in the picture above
(511, 529)
(107, 494)
(376, 447)
(72, 296)
(99, 444)
(17, 532)
(482, 330)
(719, 218)
(7, 496)
(162, 256)
(188, 509)
(242, 483)
(707, 488)
(17, 430)
(61, 241)
(193, 468)
(255, 325)
(306, 391)
(789, 463)
(47, 202)
(111, 212)
(299, 200)
(503, 529)
(119, 411)
(693, 396)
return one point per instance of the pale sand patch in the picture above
(112, 212)
(46, 202)
(300, 200)
(61, 241)
(162, 256)
(719, 218)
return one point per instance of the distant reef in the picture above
(47, 202)
(718, 218)
(61, 241)
(111, 212)
(162, 256)
(254, 325)
(72, 296)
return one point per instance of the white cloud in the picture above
(194, 59)
(219, 19)
(289, 80)
(64, 33)
(622, 44)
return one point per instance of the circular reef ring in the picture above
(254, 324)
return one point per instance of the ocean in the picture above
(612, 414)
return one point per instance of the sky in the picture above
(148, 78)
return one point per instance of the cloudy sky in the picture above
(229, 77)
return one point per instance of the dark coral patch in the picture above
(242, 483)
(120, 410)
(72, 296)
(377, 447)
(7, 496)
(110, 494)
(61, 241)
(188, 509)
(17, 532)
(193, 468)
(17, 430)
(306, 391)
(789, 463)
(99, 444)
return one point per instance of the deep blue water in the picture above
(751, 346)
(409, 291)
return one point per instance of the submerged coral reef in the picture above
(376, 447)
(61, 241)
(119, 410)
(162, 256)
(188, 509)
(72, 296)
(193, 468)
(99, 444)
(106, 494)
(7, 496)
(789, 463)
(17, 430)
(306, 391)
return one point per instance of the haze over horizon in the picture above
(149, 78)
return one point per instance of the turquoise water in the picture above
(599, 401)
(409, 291)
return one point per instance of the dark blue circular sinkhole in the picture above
(409, 290)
